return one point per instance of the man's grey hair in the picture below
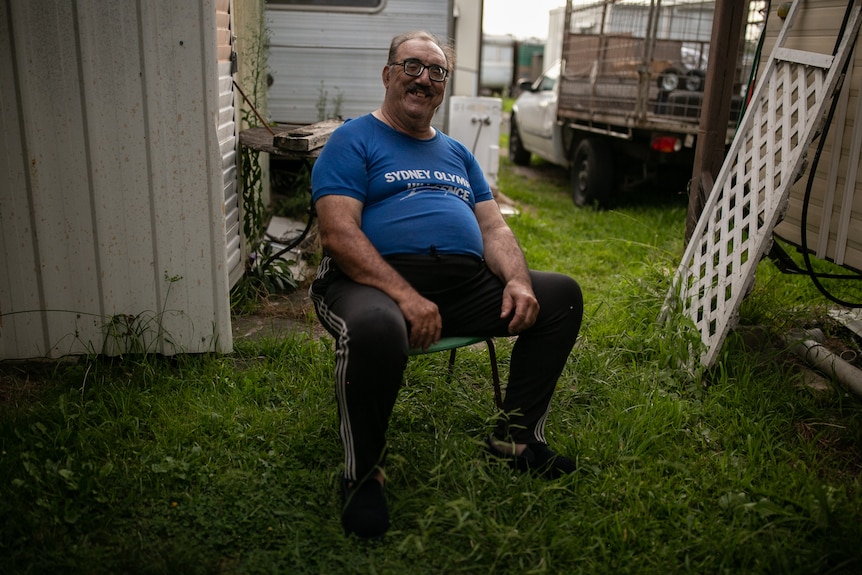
(448, 50)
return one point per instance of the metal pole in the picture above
(727, 25)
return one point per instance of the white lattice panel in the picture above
(751, 190)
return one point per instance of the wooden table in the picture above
(291, 142)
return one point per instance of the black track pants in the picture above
(371, 344)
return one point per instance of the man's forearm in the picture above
(361, 262)
(504, 256)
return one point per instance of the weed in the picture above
(262, 277)
(324, 112)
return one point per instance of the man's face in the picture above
(416, 97)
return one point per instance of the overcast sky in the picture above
(520, 18)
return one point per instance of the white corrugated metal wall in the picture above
(112, 201)
(340, 54)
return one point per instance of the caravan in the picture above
(326, 56)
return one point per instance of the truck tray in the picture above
(641, 65)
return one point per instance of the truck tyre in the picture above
(517, 154)
(695, 80)
(592, 173)
(668, 80)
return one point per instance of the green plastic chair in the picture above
(453, 343)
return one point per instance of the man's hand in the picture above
(340, 223)
(505, 259)
(423, 321)
(520, 303)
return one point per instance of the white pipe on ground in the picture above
(809, 348)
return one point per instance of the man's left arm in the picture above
(505, 259)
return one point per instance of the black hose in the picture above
(809, 269)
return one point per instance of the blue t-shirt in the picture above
(418, 195)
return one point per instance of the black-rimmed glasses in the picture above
(415, 68)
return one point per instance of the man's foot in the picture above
(536, 458)
(364, 510)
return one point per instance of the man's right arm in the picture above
(341, 236)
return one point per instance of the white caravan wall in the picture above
(340, 53)
(833, 227)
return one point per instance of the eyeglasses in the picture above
(415, 68)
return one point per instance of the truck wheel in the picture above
(695, 80)
(592, 173)
(669, 80)
(517, 154)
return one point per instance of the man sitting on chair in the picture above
(415, 249)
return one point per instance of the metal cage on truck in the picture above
(628, 93)
(637, 65)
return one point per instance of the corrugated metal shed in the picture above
(115, 162)
(834, 223)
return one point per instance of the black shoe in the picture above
(364, 512)
(536, 458)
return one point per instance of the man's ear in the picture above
(385, 76)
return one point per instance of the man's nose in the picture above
(425, 76)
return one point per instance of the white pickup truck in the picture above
(622, 107)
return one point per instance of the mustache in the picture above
(421, 89)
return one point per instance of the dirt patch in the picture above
(23, 382)
(279, 315)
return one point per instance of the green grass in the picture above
(230, 464)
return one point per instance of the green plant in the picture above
(295, 187)
(142, 333)
(266, 276)
(254, 210)
(263, 275)
(323, 103)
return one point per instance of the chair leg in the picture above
(451, 364)
(495, 373)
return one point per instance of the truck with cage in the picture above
(621, 105)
